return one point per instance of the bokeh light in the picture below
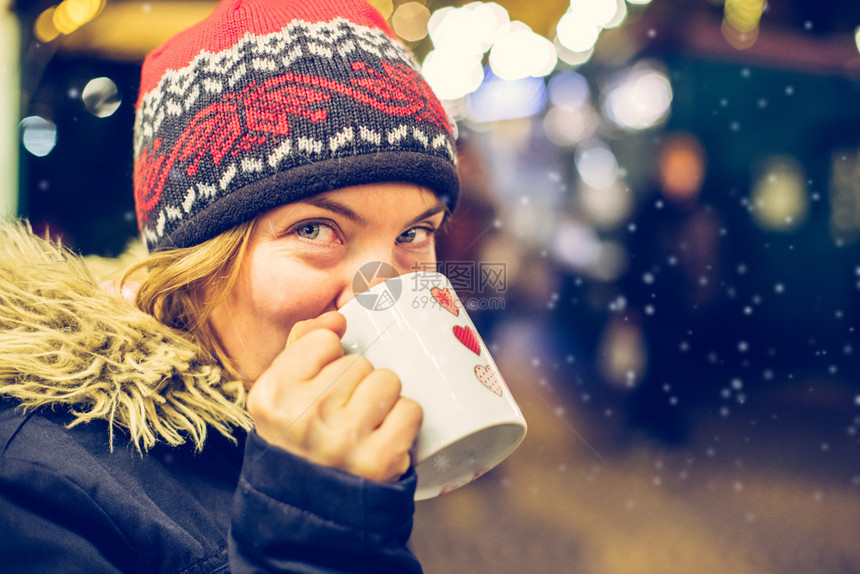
(744, 15)
(499, 99)
(576, 244)
(597, 12)
(569, 90)
(72, 14)
(579, 28)
(38, 135)
(741, 21)
(452, 74)
(606, 207)
(681, 166)
(641, 98)
(779, 195)
(461, 36)
(410, 21)
(619, 16)
(486, 19)
(44, 28)
(519, 53)
(468, 30)
(567, 127)
(384, 7)
(622, 354)
(101, 97)
(570, 57)
(65, 18)
(577, 34)
(737, 39)
(596, 164)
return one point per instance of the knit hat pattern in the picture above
(268, 102)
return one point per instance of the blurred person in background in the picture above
(673, 289)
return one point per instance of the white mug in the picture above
(415, 325)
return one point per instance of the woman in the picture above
(217, 425)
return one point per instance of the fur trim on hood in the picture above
(66, 342)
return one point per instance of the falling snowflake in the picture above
(442, 463)
(630, 378)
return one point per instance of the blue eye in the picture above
(408, 236)
(418, 234)
(308, 230)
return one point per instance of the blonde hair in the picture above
(181, 287)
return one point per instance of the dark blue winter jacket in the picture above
(69, 504)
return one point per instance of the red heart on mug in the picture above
(468, 337)
(489, 378)
(446, 300)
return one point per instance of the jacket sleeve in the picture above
(290, 515)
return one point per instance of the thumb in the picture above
(332, 320)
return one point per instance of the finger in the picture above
(393, 439)
(332, 320)
(339, 379)
(373, 398)
(308, 356)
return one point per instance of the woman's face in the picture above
(302, 258)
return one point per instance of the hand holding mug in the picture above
(333, 409)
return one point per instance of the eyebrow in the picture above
(428, 213)
(347, 212)
(335, 207)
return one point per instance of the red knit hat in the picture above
(267, 102)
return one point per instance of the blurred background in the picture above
(658, 239)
